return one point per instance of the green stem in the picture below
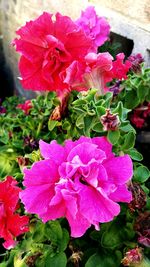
(39, 129)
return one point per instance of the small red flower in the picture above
(133, 256)
(11, 223)
(26, 106)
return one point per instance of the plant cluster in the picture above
(69, 154)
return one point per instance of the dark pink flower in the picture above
(97, 71)
(26, 106)
(11, 223)
(136, 61)
(137, 119)
(97, 28)
(82, 181)
(48, 47)
(120, 67)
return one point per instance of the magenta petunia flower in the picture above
(82, 181)
(48, 46)
(94, 26)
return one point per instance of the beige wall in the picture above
(136, 10)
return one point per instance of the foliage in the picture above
(102, 93)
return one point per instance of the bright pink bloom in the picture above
(120, 68)
(26, 106)
(94, 26)
(102, 69)
(47, 48)
(11, 223)
(96, 71)
(81, 181)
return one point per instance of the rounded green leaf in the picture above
(135, 155)
(129, 141)
(59, 260)
(141, 174)
(113, 136)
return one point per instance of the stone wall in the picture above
(130, 19)
(137, 11)
(127, 18)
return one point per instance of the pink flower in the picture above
(96, 71)
(120, 68)
(47, 48)
(137, 119)
(136, 61)
(94, 26)
(82, 181)
(11, 223)
(26, 106)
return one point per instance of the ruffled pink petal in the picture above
(52, 151)
(104, 145)
(119, 169)
(33, 31)
(121, 194)
(79, 225)
(96, 206)
(86, 152)
(74, 73)
(30, 51)
(84, 44)
(36, 198)
(63, 24)
(32, 76)
(44, 172)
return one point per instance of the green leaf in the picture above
(127, 128)
(129, 141)
(53, 231)
(80, 122)
(113, 136)
(52, 124)
(141, 93)
(87, 125)
(135, 155)
(102, 260)
(59, 260)
(131, 99)
(97, 127)
(148, 204)
(113, 236)
(141, 174)
(62, 245)
(136, 81)
(148, 95)
(108, 97)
